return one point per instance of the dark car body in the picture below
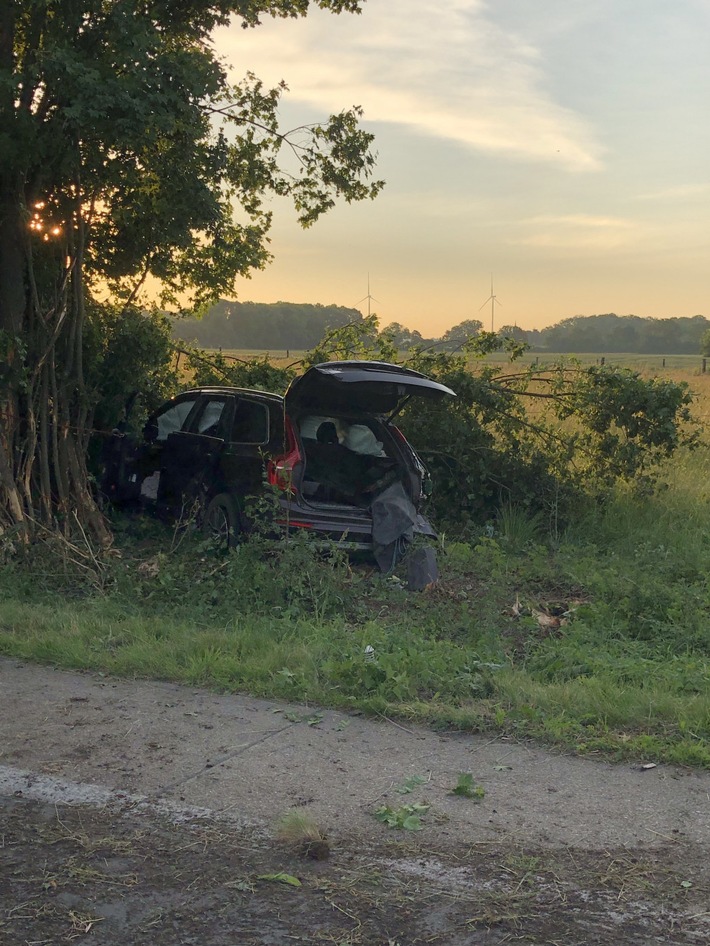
(328, 446)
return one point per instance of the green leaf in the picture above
(407, 817)
(466, 788)
(410, 784)
(281, 878)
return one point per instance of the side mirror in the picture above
(150, 431)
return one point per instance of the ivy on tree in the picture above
(127, 156)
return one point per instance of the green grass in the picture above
(596, 640)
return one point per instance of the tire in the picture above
(222, 520)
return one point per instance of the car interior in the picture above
(345, 459)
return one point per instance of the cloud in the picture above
(448, 71)
(680, 192)
(579, 231)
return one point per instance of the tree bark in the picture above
(12, 285)
(13, 292)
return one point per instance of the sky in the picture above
(558, 149)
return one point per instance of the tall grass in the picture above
(600, 641)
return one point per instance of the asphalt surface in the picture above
(252, 760)
(136, 812)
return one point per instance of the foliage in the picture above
(522, 447)
(215, 368)
(127, 156)
(129, 355)
(456, 337)
(406, 817)
(410, 784)
(622, 333)
(513, 331)
(533, 440)
(292, 326)
(626, 423)
(262, 326)
(403, 338)
(465, 787)
(357, 339)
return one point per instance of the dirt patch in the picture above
(75, 874)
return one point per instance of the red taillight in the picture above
(399, 436)
(280, 470)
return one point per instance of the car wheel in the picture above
(222, 520)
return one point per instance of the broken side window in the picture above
(173, 419)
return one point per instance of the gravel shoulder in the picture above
(138, 811)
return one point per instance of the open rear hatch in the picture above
(341, 411)
(352, 464)
(373, 387)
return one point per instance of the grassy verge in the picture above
(598, 642)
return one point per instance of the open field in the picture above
(682, 368)
(688, 366)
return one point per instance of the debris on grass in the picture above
(410, 784)
(406, 817)
(466, 788)
(281, 878)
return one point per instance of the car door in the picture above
(253, 435)
(191, 455)
(142, 469)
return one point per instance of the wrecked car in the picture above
(329, 448)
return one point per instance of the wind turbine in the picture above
(493, 299)
(370, 298)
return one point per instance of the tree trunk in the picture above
(43, 409)
(12, 261)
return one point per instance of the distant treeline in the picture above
(582, 334)
(622, 333)
(264, 326)
(289, 325)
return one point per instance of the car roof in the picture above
(226, 389)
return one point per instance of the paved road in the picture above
(179, 753)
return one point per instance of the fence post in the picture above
(705, 365)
